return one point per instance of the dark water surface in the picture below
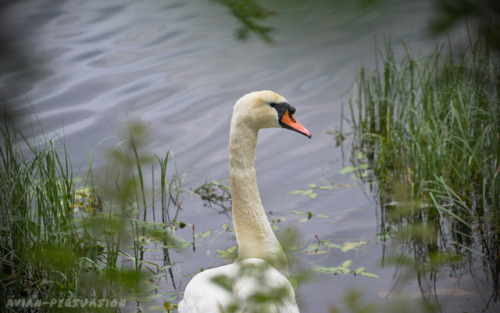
(177, 66)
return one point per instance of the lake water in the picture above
(177, 66)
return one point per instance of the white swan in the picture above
(257, 280)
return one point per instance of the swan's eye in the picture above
(282, 107)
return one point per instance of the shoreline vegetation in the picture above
(63, 237)
(429, 130)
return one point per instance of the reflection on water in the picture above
(176, 65)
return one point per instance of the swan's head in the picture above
(266, 109)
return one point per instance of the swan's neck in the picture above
(254, 234)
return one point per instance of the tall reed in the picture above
(433, 123)
(430, 128)
(63, 237)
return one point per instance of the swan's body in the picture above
(257, 280)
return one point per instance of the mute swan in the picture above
(257, 280)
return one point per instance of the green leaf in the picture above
(367, 274)
(364, 166)
(325, 187)
(297, 212)
(307, 192)
(171, 298)
(295, 192)
(205, 234)
(334, 245)
(347, 263)
(313, 195)
(312, 247)
(323, 216)
(154, 296)
(329, 270)
(312, 186)
(227, 254)
(332, 270)
(348, 169)
(351, 245)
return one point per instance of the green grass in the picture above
(429, 128)
(67, 237)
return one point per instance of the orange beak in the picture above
(287, 121)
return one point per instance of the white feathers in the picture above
(256, 281)
(250, 286)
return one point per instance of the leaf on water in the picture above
(352, 245)
(344, 269)
(325, 187)
(297, 212)
(334, 245)
(312, 247)
(348, 169)
(332, 270)
(307, 192)
(313, 195)
(300, 191)
(323, 269)
(171, 298)
(367, 274)
(155, 296)
(312, 186)
(323, 216)
(227, 254)
(205, 234)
